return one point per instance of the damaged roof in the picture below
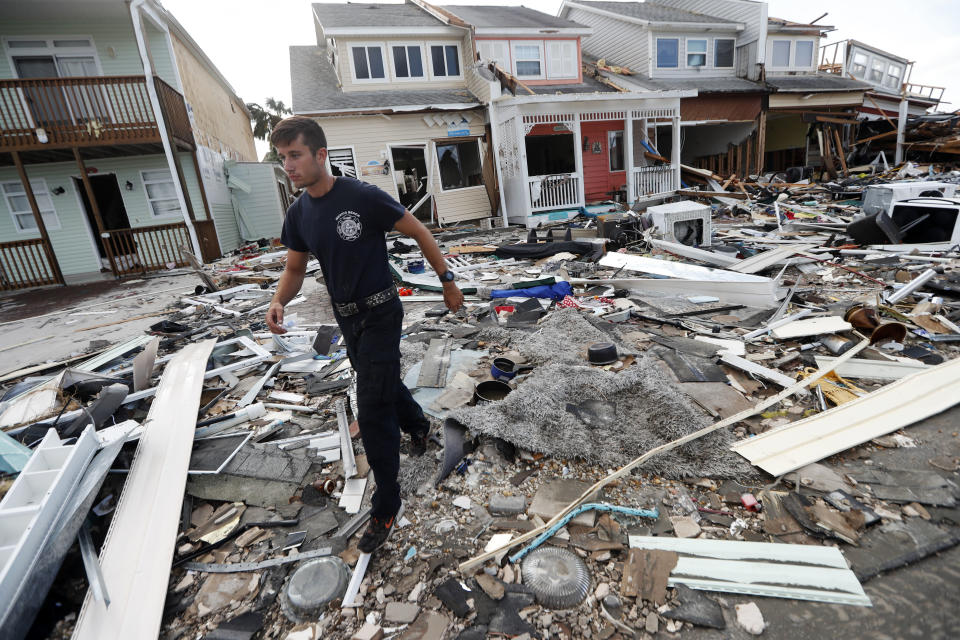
(338, 15)
(589, 85)
(509, 17)
(315, 88)
(815, 83)
(651, 12)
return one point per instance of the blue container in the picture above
(503, 369)
(415, 266)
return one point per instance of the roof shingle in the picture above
(652, 12)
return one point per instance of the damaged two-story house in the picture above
(463, 112)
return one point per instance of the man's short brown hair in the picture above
(289, 129)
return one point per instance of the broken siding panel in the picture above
(751, 14)
(225, 222)
(619, 42)
(477, 85)
(345, 64)
(261, 207)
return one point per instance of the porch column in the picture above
(675, 150)
(495, 143)
(101, 228)
(35, 208)
(761, 138)
(628, 153)
(578, 156)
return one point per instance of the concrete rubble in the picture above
(786, 282)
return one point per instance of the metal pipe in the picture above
(911, 286)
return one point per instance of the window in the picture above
(892, 81)
(723, 52)
(876, 71)
(781, 53)
(668, 53)
(528, 60)
(407, 61)
(445, 60)
(696, 53)
(19, 205)
(859, 66)
(804, 54)
(342, 162)
(459, 164)
(562, 60)
(615, 146)
(161, 194)
(368, 62)
(495, 50)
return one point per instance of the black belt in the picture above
(371, 301)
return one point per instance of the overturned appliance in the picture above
(685, 222)
(928, 223)
(879, 197)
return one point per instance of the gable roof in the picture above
(509, 17)
(315, 89)
(340, 15)
(652, 12)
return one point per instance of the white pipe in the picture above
(168, 151)
(911, 286)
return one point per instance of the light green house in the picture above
(115, 129)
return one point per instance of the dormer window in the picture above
(804, 54)
(668, 53)
(368, 62)
(445, 60)
(696, 53)
(892, 81)
(723, 52)
(781, 53)
(877, 70)
(528, 59)
(407, 61)
(859, 66)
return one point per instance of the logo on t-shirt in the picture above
(348, 225)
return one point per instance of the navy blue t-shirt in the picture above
(345, 230)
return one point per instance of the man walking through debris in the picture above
(342, 221)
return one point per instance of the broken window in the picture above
(859, 66)
(445, 60)
(528, 62)
(668, 52)
(459, 164)
(892, 80)
(876, 71)
(161, 194)
(781, 53)
(20, 209)
(407, 61)
(723, 52)
(615, 145)
(804, 54)
(342, 162)
(368, 62)
(550, 154)
(696, 53)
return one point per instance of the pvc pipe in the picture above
(911, 286)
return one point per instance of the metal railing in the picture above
(143, 249)
(554, 191)
(23, 264)
(652, 180)
(43, 113)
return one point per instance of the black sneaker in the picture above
(376, 534)
(418, 443)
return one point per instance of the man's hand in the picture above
(275, 317)
(452, 296)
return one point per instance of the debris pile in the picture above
(644, 422)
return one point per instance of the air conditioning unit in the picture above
(879, 197)
(685, 222)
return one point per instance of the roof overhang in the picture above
(394, 31)
(885, 54)
(533, 31)
(394, 109)
(594, 97)
(663, 26)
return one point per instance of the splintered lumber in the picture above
(471, 564)
(692, 193)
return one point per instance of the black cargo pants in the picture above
(384, 403)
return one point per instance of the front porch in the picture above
(558, 157)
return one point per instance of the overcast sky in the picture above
(248, 40)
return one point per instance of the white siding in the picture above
(619, 42)
(345, 64)
(261, 208)
(753, 16)
(681, 70)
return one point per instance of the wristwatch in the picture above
(447, 276)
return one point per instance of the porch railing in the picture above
(554, 191)
(44, 113)
(653, 180)
(23, 264)
(144, 249)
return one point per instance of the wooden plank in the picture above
(691, 193)
(840, 153)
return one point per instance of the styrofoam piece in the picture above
(811, 327)
(897, 405)
(673, 269)
(136, 555)
(797, 571)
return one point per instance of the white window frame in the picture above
(447, 141)
(428, 59)
(406, 51)
(502, 45)
(898, 77)
(146, 195)
(773, 45)
(353, 156)
(687, 54)
(39, 188)
(853, 64)
(542, 60)
(50, 50)
(656, 53)
(873, 67)
(813, 53)
(387, 73)
(733, 58)
(611, 135)
(561, 44)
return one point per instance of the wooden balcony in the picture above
(47, 114)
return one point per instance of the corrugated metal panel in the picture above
(619, 42)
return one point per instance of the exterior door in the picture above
(45, 106)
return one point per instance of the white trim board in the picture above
(674, 269)
(896, 405)
(873, 369)
(140, 542)
(762, 295)
(811, 327)
(796, 571)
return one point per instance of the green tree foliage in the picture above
(265, 119)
